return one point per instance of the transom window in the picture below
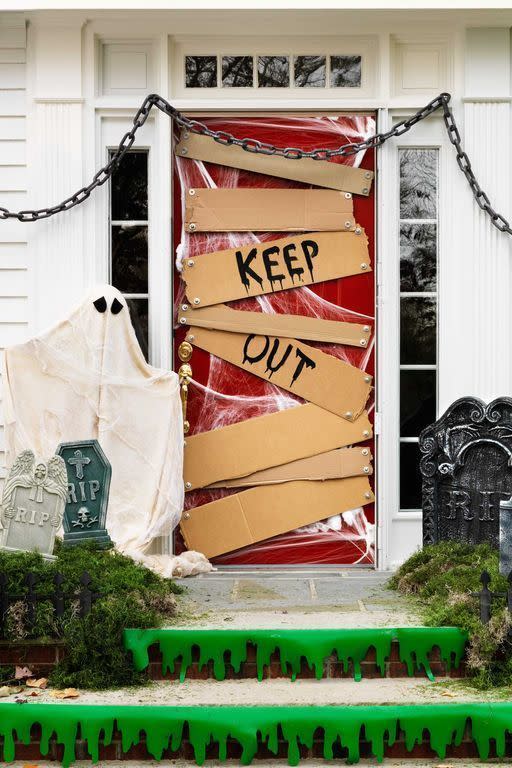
(129, 221)
(418, 311)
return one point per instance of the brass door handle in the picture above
(185, 375)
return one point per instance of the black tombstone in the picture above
(466, 468)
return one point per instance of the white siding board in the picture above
(13, 282)
(13, 309)
(12, 230)
(13, 56)
(13, 255)
(12, 37)
(13, 103)
(13, 333)
(13, 178)
(13, 128)
(12, 76)
(12, 152)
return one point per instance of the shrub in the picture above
(129, 596)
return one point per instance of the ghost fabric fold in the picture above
(87, 378)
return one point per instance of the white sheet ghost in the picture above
(87, 378)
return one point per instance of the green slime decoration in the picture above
(314, 645)
(249, 726)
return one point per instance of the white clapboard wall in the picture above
(14, 267)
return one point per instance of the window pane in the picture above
(418, 257)
(418, 326)
(418, 183)
(309, 71)
(417, 401)
(200, 71)
(273, 72)
(129, 188)
(130, 259)
(410, 478)
(237, 71)
(345, 71)
(139, 317)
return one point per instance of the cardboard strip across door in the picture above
(222, 318)
(267, 210)
(254, 270)
(316, 376)
(343, 462)
(260, 513)
(321, 173)
(267, 441)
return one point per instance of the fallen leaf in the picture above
(41, 682)
(33, 693)
(9, 690)
(66, 693)
(20, 673)
(451, 695)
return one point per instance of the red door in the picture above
(223, 394)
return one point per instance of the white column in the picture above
(476, 272)
(55, 143)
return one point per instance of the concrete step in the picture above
(248, 652)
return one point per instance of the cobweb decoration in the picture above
(223, 394)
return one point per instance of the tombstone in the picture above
(88, 485)
(506, 536)
(466, 468)
(33, 503)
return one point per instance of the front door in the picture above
(222, 394)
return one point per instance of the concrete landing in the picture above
(347, 598)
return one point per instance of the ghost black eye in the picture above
(116, 307)
(101, 304)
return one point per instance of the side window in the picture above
(129, 239)
(418, 311)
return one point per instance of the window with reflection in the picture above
(129, 256)
(418, 311)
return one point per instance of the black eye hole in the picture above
(116, 307)
(100, 304)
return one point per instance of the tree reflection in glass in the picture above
(237, 71)
(418, 183)
(201, 71)
(273, 71)
(418, 330)
(309, 71)
(345, 71)
(418, 257)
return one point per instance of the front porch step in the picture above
(245, 653)
(398, 731)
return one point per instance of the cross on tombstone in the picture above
(79, 462)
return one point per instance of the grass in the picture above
(130, 596)
(440, 580)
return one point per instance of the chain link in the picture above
(441, 102)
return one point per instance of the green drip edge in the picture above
(351, 646)
(342, 726)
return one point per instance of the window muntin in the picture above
(129, 251)
(418, 311)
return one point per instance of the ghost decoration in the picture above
(87, 378)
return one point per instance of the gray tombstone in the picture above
(506, 536)
(33, 503)
(466, 468)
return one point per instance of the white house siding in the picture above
(14, 258)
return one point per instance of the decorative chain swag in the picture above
(441, 102)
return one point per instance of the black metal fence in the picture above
(83, 596)
(486, 596)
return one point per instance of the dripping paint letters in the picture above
(306, 371)
(289, 262)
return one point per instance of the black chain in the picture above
(441, 102)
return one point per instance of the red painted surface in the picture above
(224, 394)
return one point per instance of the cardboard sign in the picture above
(267, 441)
(267, 210)
(259, 513)
(306, 371)
(278, 265)
(321, 173)
(343, 462)
(223, 318)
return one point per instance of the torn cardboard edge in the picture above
(321, 173)
(342, 462)
(267, 210)
(250, 446)
(276, 265)
(222, 318)
(306, 371)
(259, 513)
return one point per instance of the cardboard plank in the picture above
(222, 318)
(316, 376)
(260, 513)
(267, 441)
(321, 173)
(343, 462)
(267, 210)
(255, 270)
